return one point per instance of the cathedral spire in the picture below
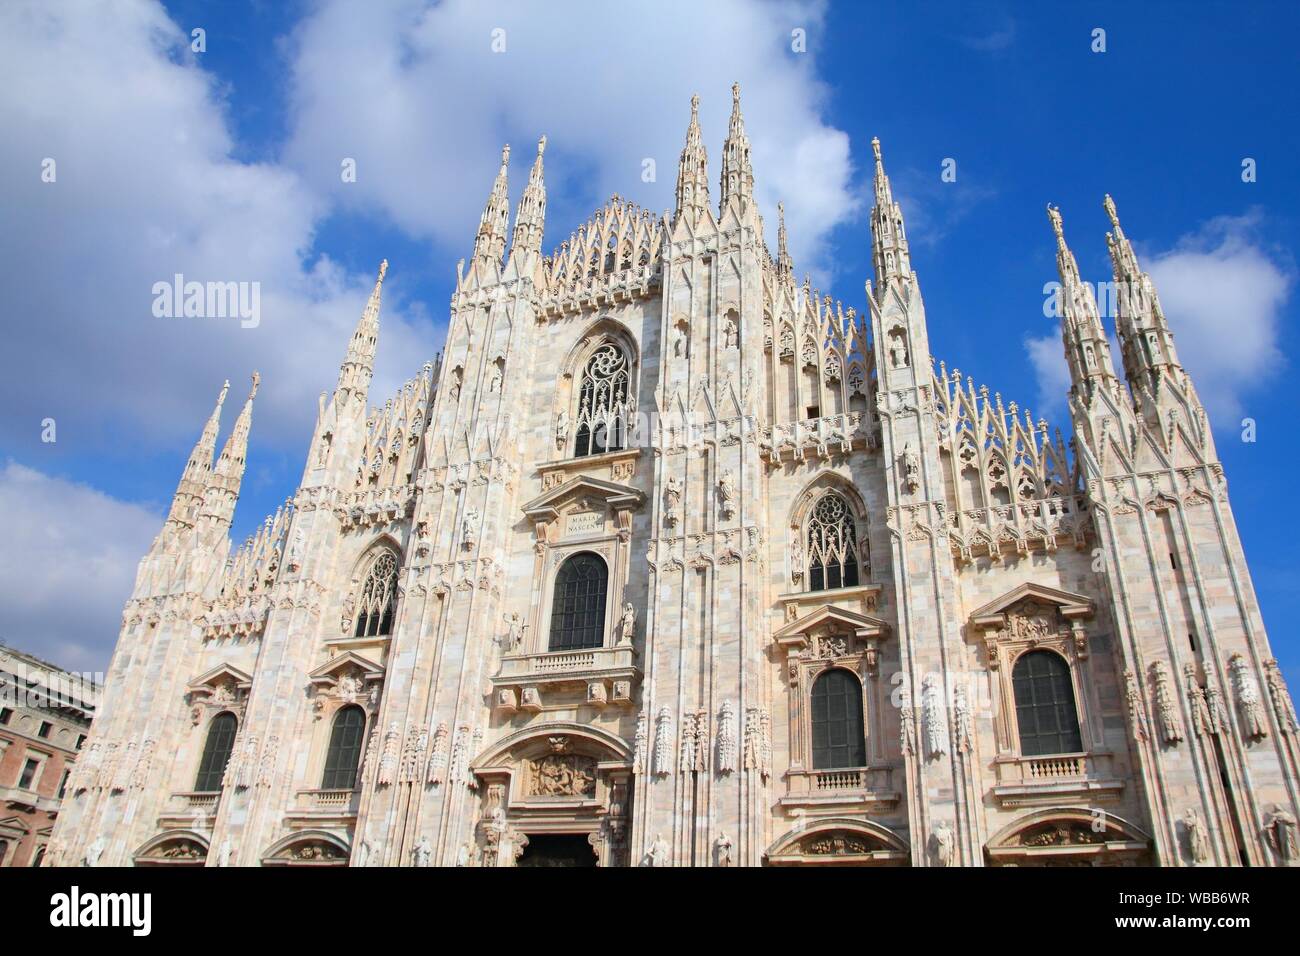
(359, 363)
(490, 243)
(737, 174)
(530, 219)
(1087, 350)
(223, 485)
(692, 168)
(1146, 343)
(189, 491)
(784, 265)
(888, 241)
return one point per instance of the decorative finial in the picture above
(505, 155)
(695, 104)
(735, 93)
(383, 269)
(541, 145)
(257, 378)
(875, 147)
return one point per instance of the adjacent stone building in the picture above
(670, 560)
(45, 716)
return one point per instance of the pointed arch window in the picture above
(578, 605)
(216, 752)
(837, 729)
(344, 754)
(1045, 709)
(832, 545)
(603, 405)
(378, 597)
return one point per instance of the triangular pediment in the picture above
(828, 614)
(1070, 604)
(336, 666)
(547, 505)
(221, 674)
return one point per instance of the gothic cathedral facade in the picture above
(670, 561)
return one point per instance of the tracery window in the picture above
(578, 606)
(1045, 710)
(603, 406)
(832, 545)
(216, 752)
(344, 754)
(837, 730)
(378, 597)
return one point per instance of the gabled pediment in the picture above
(829, 617)
(1070, 605)
(329, 673)
(222, 674)
(548, 505)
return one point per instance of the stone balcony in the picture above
(320, 807)
(190, 809)
(1026, 781)
(609, 674)
(858, 786)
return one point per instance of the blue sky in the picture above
(225, 164)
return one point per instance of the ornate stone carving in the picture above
(932, 710)
(943, 844)
(562, 775)
(1281, 832)
(726, 738)
(663, 756)
(1171, 730)
(1137, 715)
(1198, 842)
(1253, 721)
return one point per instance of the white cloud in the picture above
(1222, 290)
(424, 106)
(146, 187)
(68, 565)
(1223, 293)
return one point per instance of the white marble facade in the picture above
(828, 564)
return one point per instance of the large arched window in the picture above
(578, 608)
(1045, 712)
(216, 752)
(344, 754)
(837, 737)
(378, 597)
(602, 420)
(832, 545)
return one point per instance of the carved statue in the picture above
(727, 493)
(223, 853)
(422, 854)
(463, 855)
(961, 719)
(642, 743)
(672, 499)
(1136, 709)
(469, 529)
(363, 854)
(1198, 842)
(911, 468)
(627, 627)
(1281, 829)
(93, 852)
(730, 335)
(723, 848)
(945, 843)
(1283, 706)
(515, 632)
(657, 855)
(562, 430)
